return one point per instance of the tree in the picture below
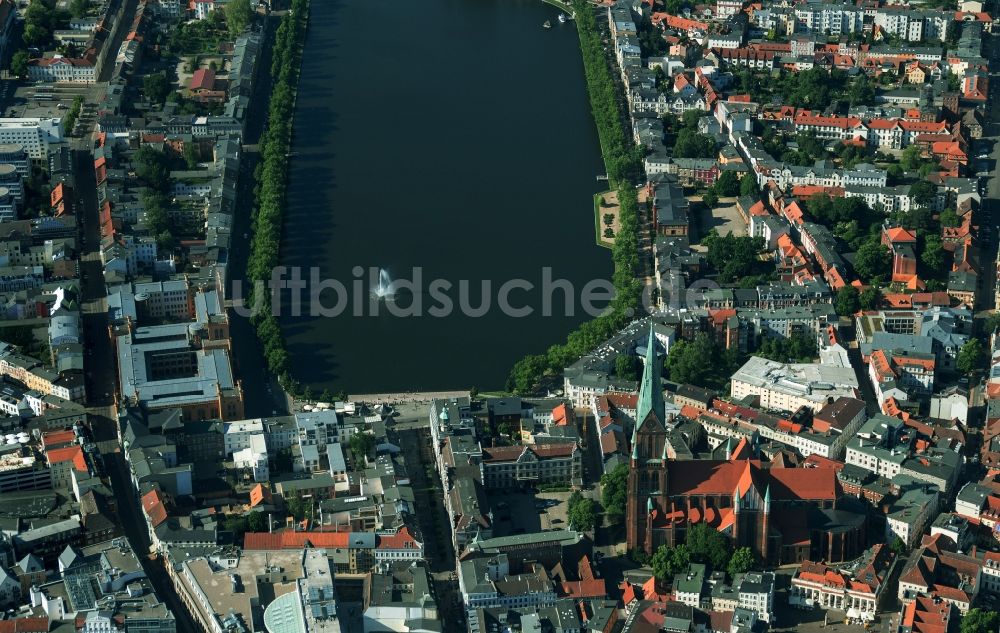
(151, 167)
(667, 561)
(949, 218)
(933, 254)
(911, 158)
(861, 91)
(614, 494)
(870, 298)
(728, 183)
(581, 512)
(235, 523)
(609, 218)
(732, 256)
(361, 445)
(700, 362)
(872, 261)
(690, 118)
(742, 561)
(191, 155)
(256, 521)
(627, 367)
(979, 621)
(894, 173)
(692, 144)
(748, 186)
(970, 356)
(923, 192)
(19, 64)
(78, 8)
(35, 35)
(847, 301)
(156, 87)
(710, 199)
(992, 323)
(708, 545)
(239, 13)
(898, 546)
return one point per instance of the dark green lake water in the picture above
(450, 135)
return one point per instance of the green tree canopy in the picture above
(870, 298)
(581, 512)
(614, 494)
(361, 445)
(732, 256)
(627, 367)
(701, 361)
(847, 301)
(152, 167)
(156, 87)
(949, 218)
(978, 620)
(932, 255)
(239, 13)
(872, 261)
(728, 183)
(707, 545)
(970, 356)
(692, 144)
(923, 192)
(667, 561)
(742, 561)
(19, 64)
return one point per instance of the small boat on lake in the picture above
(546, 25)
(562, 18)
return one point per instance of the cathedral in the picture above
(785, 515)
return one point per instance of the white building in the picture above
(253, 458)
(63, 69)
(33, 134)
(790, 386)
(237, 436)
(756, 593)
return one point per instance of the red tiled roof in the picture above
(203, 79)
(584, 589)
(74, 453)
(402, 539)
(152, 505)
(294, 540)
(25, 625)
(58, 438)
(708, 477)
(898, 235)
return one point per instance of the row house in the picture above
(913, 25)
(816, 585)
(692, 172)
(886, 199)
(834, 19)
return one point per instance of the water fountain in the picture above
(384, 289)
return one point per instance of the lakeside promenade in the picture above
(400, 397)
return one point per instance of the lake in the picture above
(453, 137)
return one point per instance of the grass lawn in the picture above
(600, 211)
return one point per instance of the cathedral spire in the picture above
(651, 388)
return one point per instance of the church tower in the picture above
(647, 468)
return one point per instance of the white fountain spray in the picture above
(384, 289)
